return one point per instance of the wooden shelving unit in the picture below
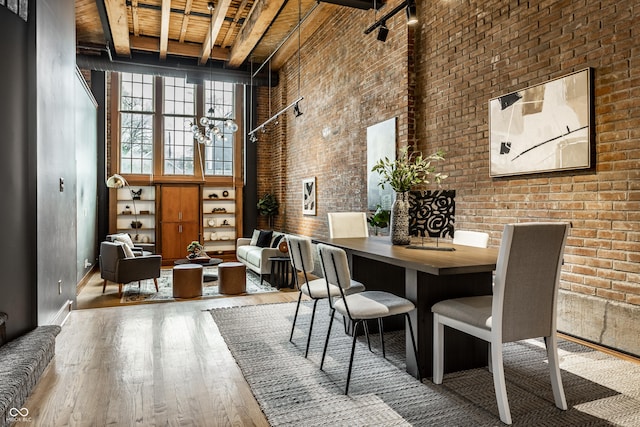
(219, 216)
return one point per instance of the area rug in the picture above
(147, 290)
(601, 390)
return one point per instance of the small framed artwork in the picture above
(543, 128)
(309, 196)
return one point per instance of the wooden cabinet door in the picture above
(180, 220)
(171, 204)
(190, 204)
(172, 241)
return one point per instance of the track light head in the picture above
(383, 32)
(412, 15)
(296, 110)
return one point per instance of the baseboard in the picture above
(62, 314)
(83, 282)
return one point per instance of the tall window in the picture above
(219, 155)
(179, 145)
(136, 123)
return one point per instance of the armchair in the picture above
(116, 267)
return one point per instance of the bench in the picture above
(22, 362)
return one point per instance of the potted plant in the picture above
(268, 206)
(403, 173)
(195, 250)
(379, 219)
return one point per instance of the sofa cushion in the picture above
(254, 256)
(276, 240)
(254, 238)
(264, 240)
(124, 238)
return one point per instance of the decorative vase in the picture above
(400, 219)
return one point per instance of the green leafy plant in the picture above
(408, 170)
(268, 206)
(194, 248)
(379, 219)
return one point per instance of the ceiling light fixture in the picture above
(408, 5)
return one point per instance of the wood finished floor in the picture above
(151, 364)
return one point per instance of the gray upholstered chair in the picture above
(116, 267)
(347, 224)
(359, 307)
(301, 256)
(477, 239)
(523, 305)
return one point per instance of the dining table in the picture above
(425, 274)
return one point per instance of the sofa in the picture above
(24, 359)
(254, 252)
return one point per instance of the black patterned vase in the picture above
(400, 219)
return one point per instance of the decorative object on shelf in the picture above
(127, 210)
(118, 181)
(379, 219)
(213, 235)
(309, 196)
(225, 193)
(211, 222)
(268, 206)
(211, 123)
(219, 210)
(136, 225)
(225, 222)
(213, 196)
(145, 212)
(402, 174)
(136, 195)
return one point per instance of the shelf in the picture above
(140, 214)
(219, 199)
(221, 226)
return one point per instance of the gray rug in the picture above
(601, 390)
(131, 293)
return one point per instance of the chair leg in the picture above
(489, 359)
(415, 348)
(138, 284)
(155, 282)
(366, 332)
(326, 342)
(554, 366)
(313, 315)
(381, 330)
(104, 285)
(438, 349)
(498, 382)
(295, 317)
(353, 349)
(120, 288)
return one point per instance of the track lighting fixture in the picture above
(383, 32)
(296, 110)
(412, 15)
(412, 18)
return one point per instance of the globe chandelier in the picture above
(213, 126)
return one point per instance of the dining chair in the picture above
(301, 256)
(347, 224)
(360, 307)
(477, 239)
(523, 305)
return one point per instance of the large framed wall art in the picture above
(543, 128)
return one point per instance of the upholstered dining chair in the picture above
(359, 307)
(116, 266)
(301, 256)
(477, 239)
(523, 305)
(347, 224)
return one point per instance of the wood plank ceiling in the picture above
(243, 30)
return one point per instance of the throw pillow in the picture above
(128, 253)
(264, 240)
(254, 238)
(276, 240)
(124, 238)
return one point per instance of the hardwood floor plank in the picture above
(148, 364)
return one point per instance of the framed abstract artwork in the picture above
(432, 213)
(543, 128)
(309, 196)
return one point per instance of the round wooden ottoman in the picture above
(232, 278)
(187, 281)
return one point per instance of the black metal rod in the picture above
(382, 21)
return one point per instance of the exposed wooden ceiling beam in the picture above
(228, 38)
(219, 13)
(117, 13)
(185, 20)
(323, 12)
(134, 17)
(151, 44)
(256, 24)
(164, 28)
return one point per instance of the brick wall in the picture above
(463, 54)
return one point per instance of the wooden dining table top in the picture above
(462, 260)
